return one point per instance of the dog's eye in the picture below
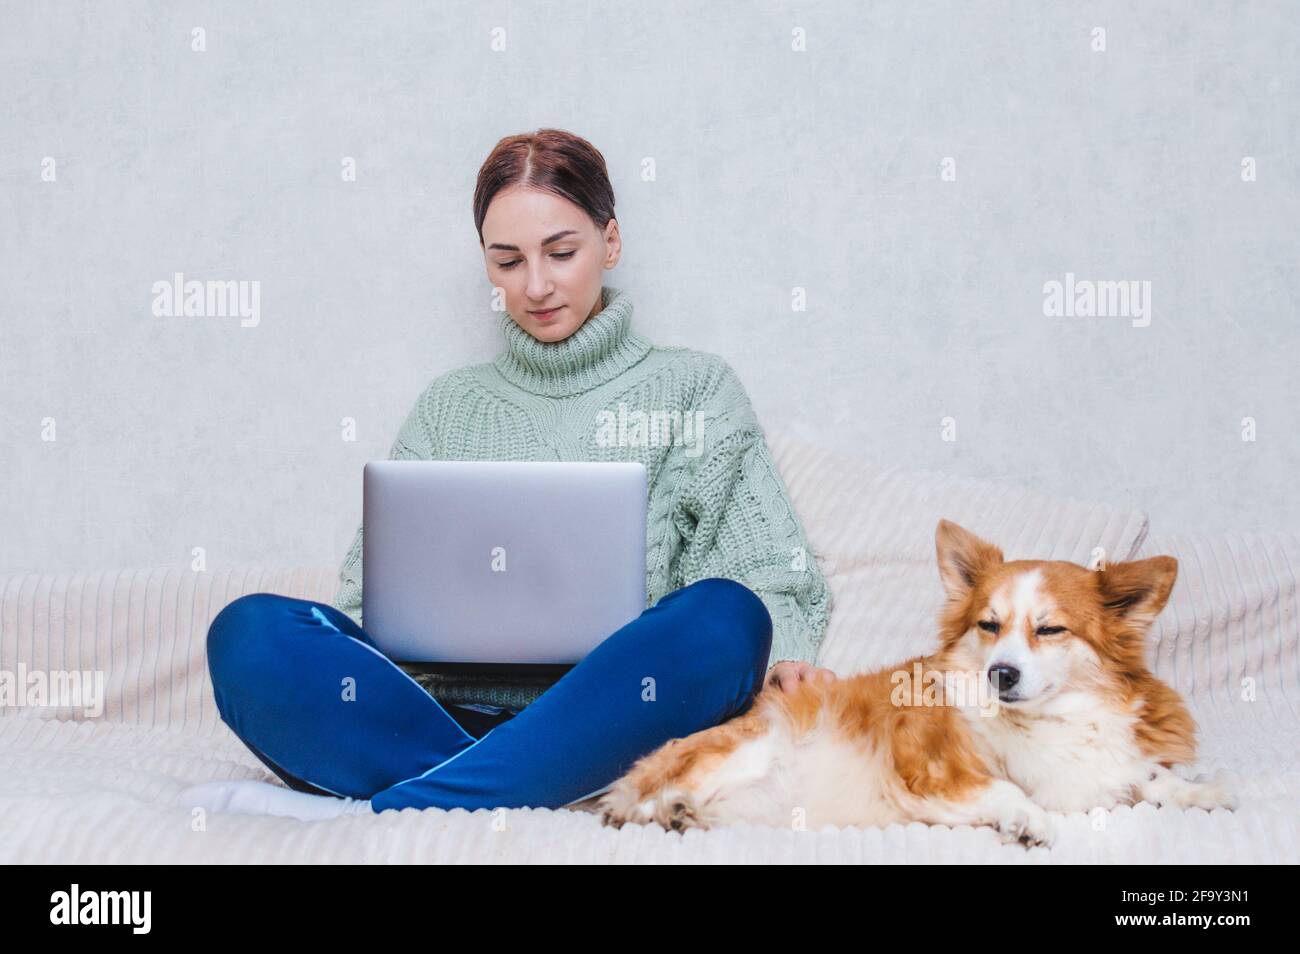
(1050, 630)
(989, 626)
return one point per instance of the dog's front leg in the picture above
(1164, 787)
(999, 803)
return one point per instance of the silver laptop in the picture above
(501, 562)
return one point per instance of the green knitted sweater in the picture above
(717, 505)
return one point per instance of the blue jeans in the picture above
(307, 691)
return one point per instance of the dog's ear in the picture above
(962, 558)
(1137, 591)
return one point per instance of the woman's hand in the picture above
(788, 674)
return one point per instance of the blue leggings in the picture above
(309, 694)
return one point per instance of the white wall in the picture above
(774, 170)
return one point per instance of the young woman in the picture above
(735, 600)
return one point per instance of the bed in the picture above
(98, 787)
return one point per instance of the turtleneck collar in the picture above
(603, 347)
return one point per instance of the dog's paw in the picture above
(1168, 789)
(1027, 825)
(672, 808)
(675, 810)
(1208, 795)
(623, 804)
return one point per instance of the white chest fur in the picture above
(1074, 754)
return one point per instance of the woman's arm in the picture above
(413, 442)
(735, 519)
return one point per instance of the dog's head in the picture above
(1033, 628)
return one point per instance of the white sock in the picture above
(253, 797)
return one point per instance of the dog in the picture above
(1038, 699)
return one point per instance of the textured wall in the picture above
(918, 170)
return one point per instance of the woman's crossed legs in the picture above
(307, 691)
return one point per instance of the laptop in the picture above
(484, 565)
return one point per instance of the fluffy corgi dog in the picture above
(1038, 699)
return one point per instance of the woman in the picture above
(734, 599)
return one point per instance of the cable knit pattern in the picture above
(717, 506)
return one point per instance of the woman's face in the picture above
(546, 253)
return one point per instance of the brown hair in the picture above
(550, 160)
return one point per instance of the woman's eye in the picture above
(988, 626)
(514, 261)
(1050, 630)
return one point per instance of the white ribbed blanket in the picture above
(77, 789)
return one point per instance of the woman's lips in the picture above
(546, 315)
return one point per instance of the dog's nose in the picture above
(1003, 676)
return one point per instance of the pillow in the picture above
(871, 529)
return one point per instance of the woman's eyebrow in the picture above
(554, 238)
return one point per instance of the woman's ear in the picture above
(613, 244)
(963, 558)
